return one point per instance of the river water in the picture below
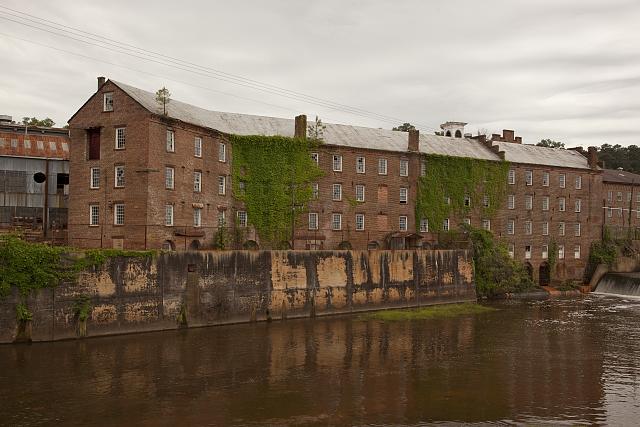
(556, 362)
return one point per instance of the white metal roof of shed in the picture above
(532, 154)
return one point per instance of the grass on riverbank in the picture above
(431, 312)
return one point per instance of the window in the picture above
(467, 201)
(197, 181)
(403, 195)
(242, 219)
(118, 214)
(485, 201)
(315, 158)
(120, 138)
(315, 191)
(576, 251)
(169, 174)
(337, 163)
(638, 213)
(197, 217)
(545, 251)
(512, 176)
(511, 226)
(336, 194)
(360, 164)
(467, 221)
(528, 202)
(511, 201)
(628, 197)
(107, 101)
(486, 224)
(423, 168)
(528, 177)
(545, 228)
(561, 204)
(619, 196)
(528, 228)
(336, 221)
(197, 146)
(511, 250)
(171, 141)
(578, 182)
(545, 179)
(95, 178)
(576, 229)
(637, 197)
(561, 229)
(560, 251)
(404, 167)
(403, 223)
(424, 225)
(222, 219)
(359, 222)
(562, 180)
(445, 224)
(313, 221)
(609, 212)
(545, 203)
(360, 193)
(119, 176)
(222, 152)
(382, 166)
(168, 215)
(447, 200)
(610, 196)
(222, 185)
(94, 215)
(527, 252)
(620, 212)
(578, 205)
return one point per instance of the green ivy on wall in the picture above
(456, 178)
(276, 173)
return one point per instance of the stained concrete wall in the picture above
(134, 295)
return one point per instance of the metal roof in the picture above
(532, 154)
(620, 177)
(35, 145)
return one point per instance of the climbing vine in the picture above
(449, 181)
(272, 175)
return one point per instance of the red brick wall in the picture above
(616, 196)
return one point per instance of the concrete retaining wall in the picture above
(211, 288)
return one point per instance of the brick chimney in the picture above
(101, 81)
(593, 157)
(508, 135)
(300, 126)
(414, 140)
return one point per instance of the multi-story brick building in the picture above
(621, 201)
(144, 179)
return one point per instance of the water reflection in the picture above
(561, 361)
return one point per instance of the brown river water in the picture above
(544, 362)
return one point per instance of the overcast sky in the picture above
(561, 69)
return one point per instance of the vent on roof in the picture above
(453, 129)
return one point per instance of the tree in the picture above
(163, 97)
(316, 129)
(47, 123)
(550, 143)
(405, 127)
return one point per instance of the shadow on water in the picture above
(552, 361)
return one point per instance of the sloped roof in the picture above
(17, 144)
(532, 154)
(620, 177)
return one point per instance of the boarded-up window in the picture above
(382, 223)
(383, 193)
(94, 144)
(118, 243)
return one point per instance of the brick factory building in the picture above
(621, 202)
(143, 179)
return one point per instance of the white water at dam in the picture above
(626, 284)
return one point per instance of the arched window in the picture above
(168, 245)
(458, 134)
(194, 245)
(448, 133)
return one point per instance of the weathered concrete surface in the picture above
(210, 288)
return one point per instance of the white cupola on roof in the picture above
(453, 129)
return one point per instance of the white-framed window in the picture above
(447, 200)
(609, 212)
(610, 196)
(404, 167)
(619, 196)
(118, 214)
(528, 228)
(382, 166)
(578, 182)
(94, 215)
(360, 164)
(360, 193)
(528, 202)
(222, 219)
(242, 219)
(445, 224)
(561, 229)
(512, 250)
(511, 226)
(562, 180)
(197, 217)
(119, 176)
(222, 185)
(403, 223)
(467, 201)
(424, 225)
(637, 197)
(95, 178)
(169, 175)
(527, 252)
(222, 152)
(511, 201)
(404, 192)
(578, 205)
(359, 222)
(120, 138)
(315, 158)
(336, 194)
(545, 251)
(561, 204)
(486, 224)
(423, 168)
(545, 203)
(197, 181)
(545, 179)
(107, 101)
(168, 215)
(336, 221)
(576, 251)
(637, 213)
(197, 146)
(577, 229)
(171, 141)
(512, 176)
(315, 191)
(467, 221)
(560, 251)
(545, 228)
(485, 201)
(337, 163)
(313, 220)
(619, 212)
(628, 196)
(528, 177)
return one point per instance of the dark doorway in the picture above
(195, 245)
(544, 276)
(529, 268)
(93, 136)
